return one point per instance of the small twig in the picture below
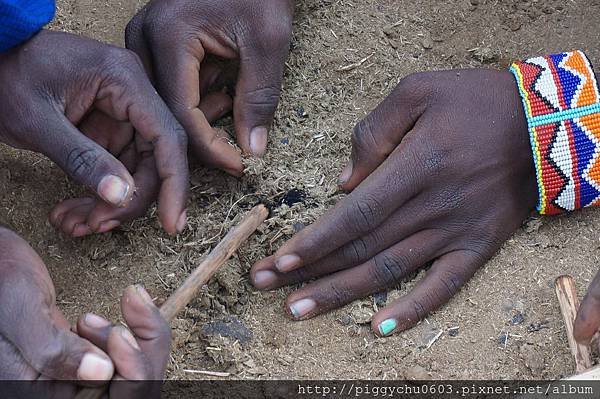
(354, 65)
(208, 372)
(435, 338)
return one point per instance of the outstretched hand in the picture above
(186, 46)
(442, 173)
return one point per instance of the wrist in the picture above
(561, 103)
(520, 150)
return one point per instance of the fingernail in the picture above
(91, 320)
(258, 141)
(182, 222)
(387, 326)
(144, 294)
(302, 307)
(113, 190)
(346, 173)
(127, 336)
(95, 368)
(264, 278)
(286, 263)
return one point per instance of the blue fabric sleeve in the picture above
(21, 19)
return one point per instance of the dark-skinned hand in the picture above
(441, 172)
(183, 44)
(86, 215)
(78, 101)
(36, 342)
(587, 322)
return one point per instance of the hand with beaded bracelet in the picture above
(441, 174)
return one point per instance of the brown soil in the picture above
(512, 296)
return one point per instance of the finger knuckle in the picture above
(262, 100)
(81, 162)
(419, 308)
(448, 201)
(435, 162)
(123, 64)
(51, 355)
(356, 250)
(364, 213)
(414, 91)
(364, 139)
(415, 84)
(451, 281)
(389, 269)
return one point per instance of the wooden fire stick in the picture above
(569, 304)
(200, 276)
(217, 257)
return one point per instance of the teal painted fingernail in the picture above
(387, 326)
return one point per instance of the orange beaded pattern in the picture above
(562, 105)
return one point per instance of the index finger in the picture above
(156, 124)
(373, 201)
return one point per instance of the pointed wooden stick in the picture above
(569, 304)
(200, 276)
(217, 257)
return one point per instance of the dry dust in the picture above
(504, 324)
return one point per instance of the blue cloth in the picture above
(21, 19)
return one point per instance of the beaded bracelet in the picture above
(562, 105)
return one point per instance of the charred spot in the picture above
(294, 196)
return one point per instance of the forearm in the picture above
(21, 19)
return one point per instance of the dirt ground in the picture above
(504, 324)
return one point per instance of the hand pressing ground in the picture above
(441, 173)
(36, 342)
(78, 102)
(184, 44)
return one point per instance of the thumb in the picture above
(146, 322)
(86, 162)
(258, 90)
(143, 355)
(376, 136)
